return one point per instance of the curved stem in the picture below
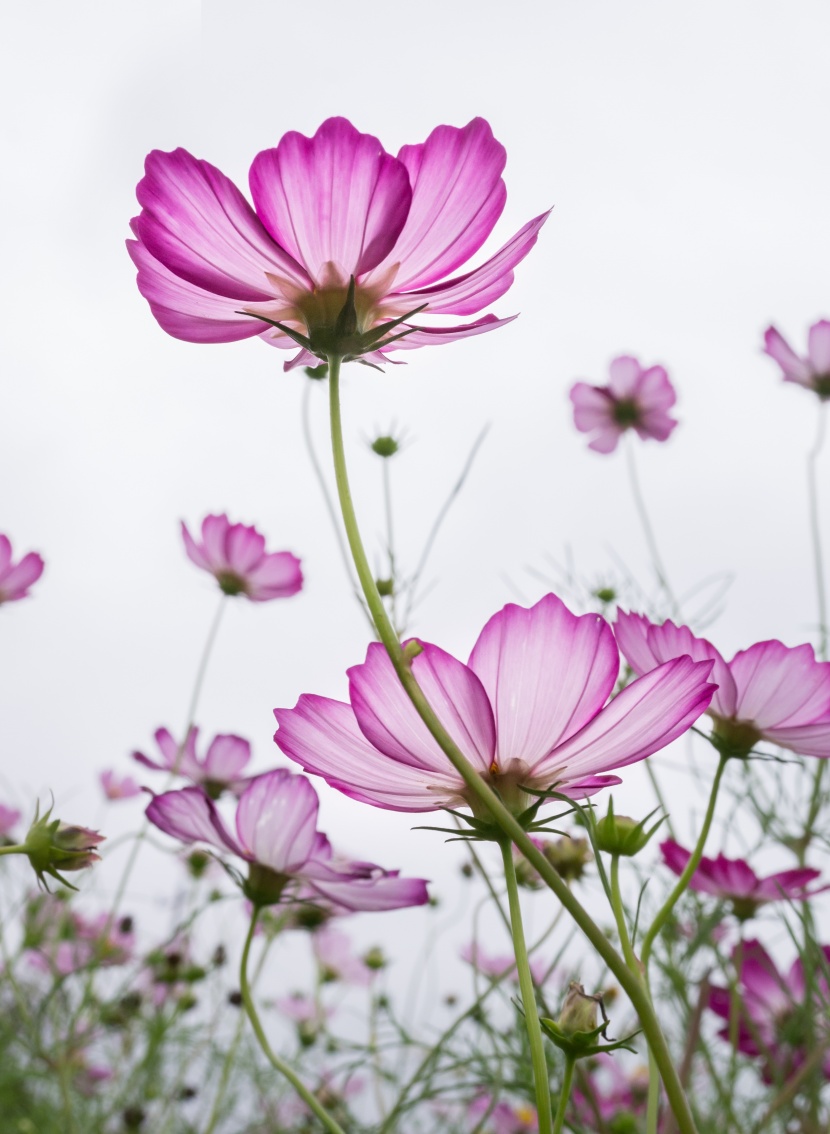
(815, 529)
(691, 866)
(276, 1062)
(648, 530)
(564, 1094)
(479, 789)
(534, 1029)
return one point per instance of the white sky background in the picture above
(685, 152)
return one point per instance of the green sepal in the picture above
(581, 1045)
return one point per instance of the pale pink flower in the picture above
(236, 557)
(734, 880)
(116, 786)
(496, 965)
(501, 1117)
(276, 834)
(16, 578)
(337, 960)
(635, 398)
(219, 769)
(612, 1093)
(300, 1008)
(781, 1017)
(528, 711)
(812, 371)
(326, 209)
(767, 692)
(9, 818)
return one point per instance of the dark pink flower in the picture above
(528, 710)
(781, 1018)
(812, 372)
(220, 768)
(118, 787)
(276, 834)
(16, 578)
(734, 880)
(768, 692)
(635, 398)
(327, 208)
(236, 557)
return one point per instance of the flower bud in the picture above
(579, 1012)
(619, 834)
(386, 587)
(385, 446)
(317, 372)
(375, 959)
(51, 844)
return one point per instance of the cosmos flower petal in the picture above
(337, 198)
(546, 672)
(197, 223)
(386, 892)
(806, 740)
(226, 757)
(389, 720)
(645, 717)
(435, 336)
(188, 815)
(322, 735)
(591, 407)
(780, 686)
(276, 820)
(278, 575)
(818, 347)
(457, 197)
(648, 644)
(624, 374)
(467, 294)
(795, 368)
(789, 884)
(20, 576)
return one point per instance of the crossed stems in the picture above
(631, 979)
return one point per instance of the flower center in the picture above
(626, 412)
(231, 584)
(734, 738)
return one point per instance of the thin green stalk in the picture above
(534, 1029)
(564, 1094)
(311, 1101)
(478, 788)
(691, 866)
(648, 530)
(18, 848)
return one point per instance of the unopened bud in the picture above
(621, 835)
(375, 959)
(579, 1012)
(385, 446)
(52, 845)
(386, 587)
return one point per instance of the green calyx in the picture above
(576, 1031)
(620, 835)
(734, 739)
(263, 886)
(340, 335)
(51, 845)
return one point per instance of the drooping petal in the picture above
(795, 368)
(457, 197)
(780, 686)
(322, 735)
(194, 552)
(385, 892)
(337, 198)
(818, 347)
(789, 884)
(645, 717)
(435, 336)
(593, 407)
(188, 815)
(195, 221)
(389, 721)
(647, 644)
(276, 820)
(467, 294)
(546, 673)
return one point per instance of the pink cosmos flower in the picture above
(528, 710)
(118, 787)
(733, 880)
(236, 557)
(337, 960)
(612, 1093)
(9, 818)
(500, 1117)
(276, 834)
(219, 769)
(635, 398)
(327, 209)
(768, 692)
(781, 1018)
(812, 372)
(16, 578)
(300, 1008)
(496, 965)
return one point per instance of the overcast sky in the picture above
(684, 149)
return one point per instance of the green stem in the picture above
(534, 1029)
(479, 789)
(691, 866)
(18, 848)
(648, 531)
(276, 1062)
(564, 1094)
